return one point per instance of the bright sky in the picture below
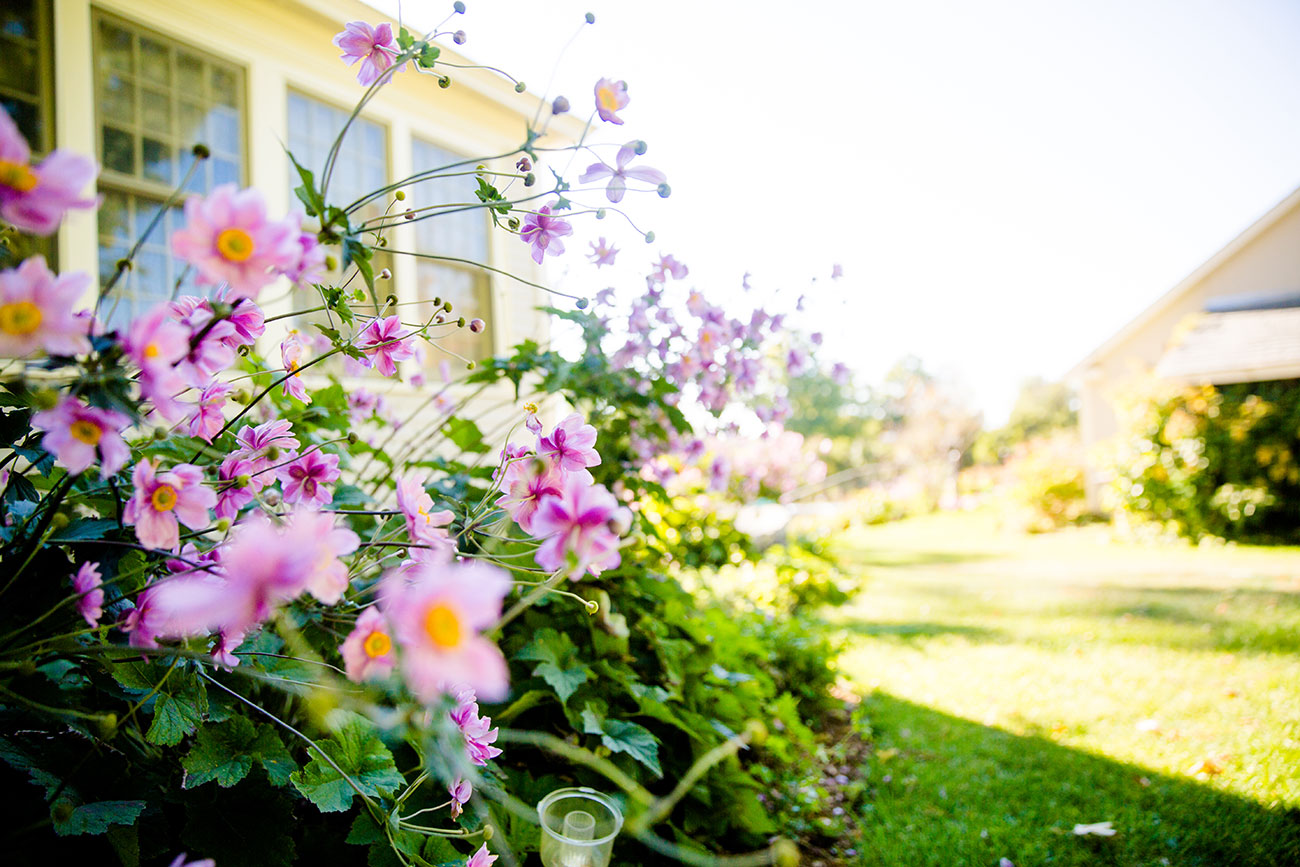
(1004, 183)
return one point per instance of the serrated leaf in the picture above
(465, 434)
(94, 818)
(179, 712)
(86, 528)
(558, 664)
(221, 753)
(359, 753)
(635, 740)
(307, 193)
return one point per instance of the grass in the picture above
(1017, 685)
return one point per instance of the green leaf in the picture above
(558, 662)
(86, 528)
(178, 712)
(628, 737)
(93, 818)
(359, 753)
(526, 701)
(307, 193)
(466, 435)
(226, 753)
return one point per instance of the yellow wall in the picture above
(287, 44)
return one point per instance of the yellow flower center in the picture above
(443, 626)
(530, 407)
(377, 644)
(21, 317)
(164, 498)
(151, 350)
(18, 176)
(235, 245)
(86, 431)
(608, 98)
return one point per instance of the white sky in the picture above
(1005, 183)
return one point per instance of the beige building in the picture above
(137, 82)
(1234, 319)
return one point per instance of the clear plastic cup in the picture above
(578, 827)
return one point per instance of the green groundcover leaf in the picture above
(226, 753)
(359, 753)
(621, 736)
(93, 818)
(558, 662)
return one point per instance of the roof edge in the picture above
(1245, 237)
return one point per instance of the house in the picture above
(1236, 318)
(137, 83)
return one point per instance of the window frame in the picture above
(44, 39)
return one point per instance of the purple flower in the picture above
(229, 239)
(836, 272)
(481, 858)
(207, 419)
(543, 232)
(232, 497)
(578, 529)
(223, 651)
(669, 266)
(619, 173)
(36, 311)
(602, 253)
(373, 46)
(384, 343)
(162, 498)
(75, 432)
(34, 198)
(477, 731)
(86, 583)
(460, 791)
(524, 485)
(571, 446)
(611, 97)
(306, 478)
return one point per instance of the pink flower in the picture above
(373, 46)
(306, 479)
(368, 649)
(476, 730)
(162, 498)
(311, 259)
(437, 616)
(577, 528)
(86, 583)
(571, 446)
(293, 352)
(223, 651)
(481, 858)
(232, 497)
(611, 97)
(36, 311)
(34, 198)
(668, 265)
(619, 173)
(384, 343)
(602, 253)
(264, 444)
(228, 239)
(362, 404)
(75, 432)
(461, 791)
(249, 322)
(156, 342)
(837, 271)
(543, 232)
(524, 485)
(423, 525)
(327, 579)
(210, 345)
(180, 861)
(207, 419)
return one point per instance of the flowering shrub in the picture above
(1210, 461)
(240, 600)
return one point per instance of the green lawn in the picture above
(1017, 685)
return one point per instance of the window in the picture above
(26, 71)
(463, 235)
(155, 99)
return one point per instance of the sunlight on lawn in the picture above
(1171, 661)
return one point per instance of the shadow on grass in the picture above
(945, 791)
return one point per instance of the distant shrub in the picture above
(1047, 482)
(1212, 461)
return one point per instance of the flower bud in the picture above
(159, 434)
(589, 18)
(458, 7)
(641, 147)
(223, 525)
(524, 164)
(201, 151)
(513, 223)
(560, 105)
(785, 853)
(273, 453)
(488, 832)
(352, 438)
(600, 213)
(649, 237)
(243, 481)
(470, 366)
(385, 274)
(331, 263)
(221, 309)
(123, 265)
(446, 305)
(444, 81)
(520, 87)
(400, 195)
(458, 37)
(460, 323)
(409, 215)
(107, 726)
(664, 191)
(477, 325)
(593, 607)
(272, 498)
(582, 304)
(59, 521)
(530, 179)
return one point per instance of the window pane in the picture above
(468, 291)
(18, 64)
(156, 99)
(456, 232)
